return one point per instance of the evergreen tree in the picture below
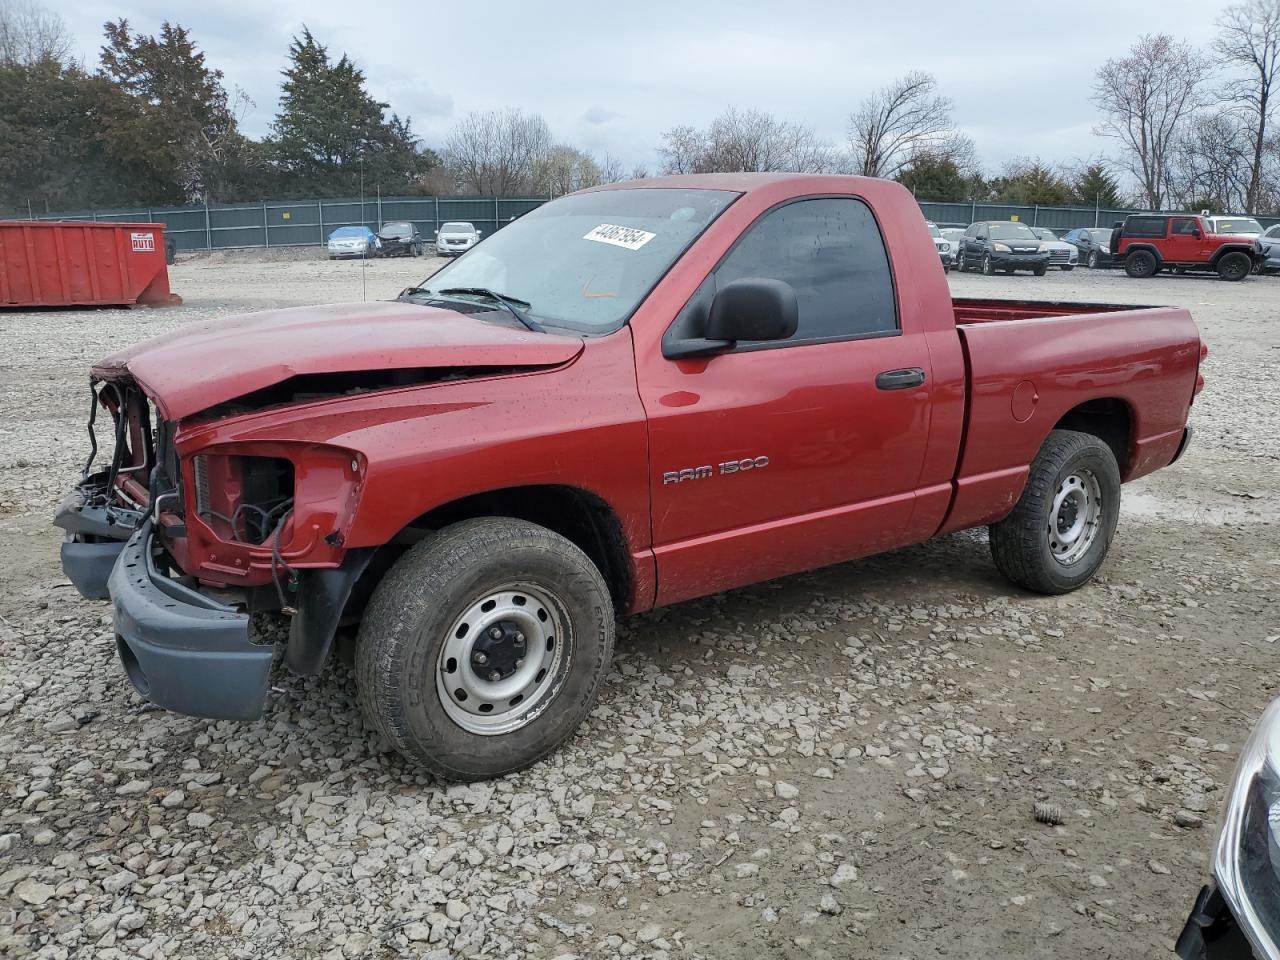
(935, 178)
(1094, 186)
(174, 126)
(329, 130)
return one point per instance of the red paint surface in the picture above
(852, 470)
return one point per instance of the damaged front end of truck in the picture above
(190, 539)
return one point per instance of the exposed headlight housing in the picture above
(1246, 860)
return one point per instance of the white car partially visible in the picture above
(455, 238)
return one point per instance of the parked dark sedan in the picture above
(1094, 244)
(400, 239)
(1003, 245)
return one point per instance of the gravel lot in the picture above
(838, 764)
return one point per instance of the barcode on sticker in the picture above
(628, 237)
(143, 242)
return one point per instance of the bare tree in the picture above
(566, 169)
(610, 168)
(1211, 163)
(639, 172)
(749, 141)
(898, 123)
(31, 34)
(498, 152)
(1147, 97)
(1249, 36)
(682, 150)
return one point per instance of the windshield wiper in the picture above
(508, 302)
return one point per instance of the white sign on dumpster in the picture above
(143, 242)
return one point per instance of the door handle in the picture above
(903, 379)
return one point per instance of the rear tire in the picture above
(1140, 264)
(1234, 266)
(428, 668)
(1059, 532)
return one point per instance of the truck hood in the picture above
(206, 364)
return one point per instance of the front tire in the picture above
(1093, 260)
(483, 647)
(1040, 271)
(1234, 266)
(987, 269)
(1059, 532)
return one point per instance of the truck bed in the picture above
(1034, 366)
(972, 310)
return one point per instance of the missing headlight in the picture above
(243, 499)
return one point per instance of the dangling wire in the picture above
(278, 561)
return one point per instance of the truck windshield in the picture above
(585, 261)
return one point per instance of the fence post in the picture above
(437, 214)
(379, 206)
(1035, 216)
(266, 226)
(495, 214)
(320, 215)
(1097, 207)
(208, 229)
(973, 210)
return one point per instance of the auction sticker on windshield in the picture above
(628, 237)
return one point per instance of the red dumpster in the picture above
(60, 263)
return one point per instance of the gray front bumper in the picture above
(181, 649)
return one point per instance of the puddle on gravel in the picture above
(1225, 509)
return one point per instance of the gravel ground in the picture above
(838, 764)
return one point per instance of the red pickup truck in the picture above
(632, 396)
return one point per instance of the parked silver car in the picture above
(1061, 253)
(456, 237)
(353, 242)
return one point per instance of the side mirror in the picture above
(1196, 233)
(478, 232)
(753, 308)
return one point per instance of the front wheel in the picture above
(1068, 268)
(987, 269)
(483, 647)
(1041, 270)
(1093, 260)
(1059, 532)
(1234, 266)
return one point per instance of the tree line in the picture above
(153, 123)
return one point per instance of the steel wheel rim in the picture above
(1076, 517)
(488, 707)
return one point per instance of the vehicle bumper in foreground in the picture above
(1211, 932)
(181, 649)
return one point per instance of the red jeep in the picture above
(1150, 243)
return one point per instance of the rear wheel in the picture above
(1140, 264)
(1061, 528)
(1234, 266)
(483, 647)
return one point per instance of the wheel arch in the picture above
(1150, 248)
(580, 516)
(1227, 248)
(1111, 420)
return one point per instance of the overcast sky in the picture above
(611, 77)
